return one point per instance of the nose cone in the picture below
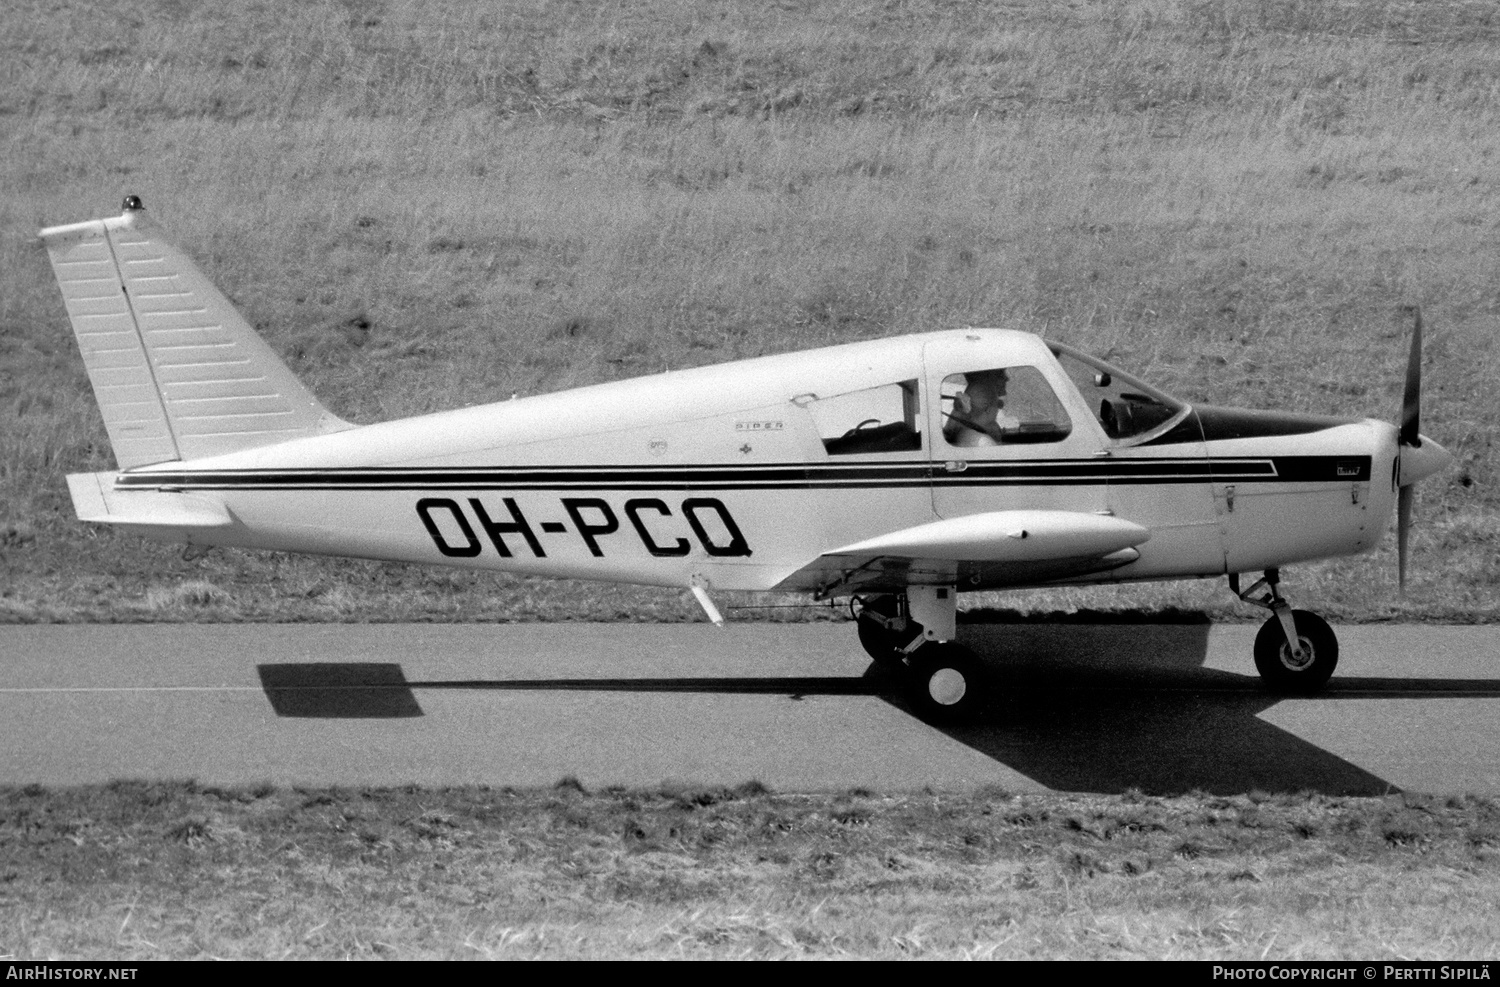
(1420, 461)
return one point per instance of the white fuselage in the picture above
(720, 474)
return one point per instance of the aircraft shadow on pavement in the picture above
(339, 690)
(1106, 708)
(1078, 707)
(380, 690)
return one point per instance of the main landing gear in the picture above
(1295, 651)
(913, 635)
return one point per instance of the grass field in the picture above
(180, 871)
(431, 204)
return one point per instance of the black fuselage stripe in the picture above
(1291, 469)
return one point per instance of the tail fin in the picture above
(177, 372)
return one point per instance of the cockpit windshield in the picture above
(1130, 411)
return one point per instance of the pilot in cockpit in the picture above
(978, 417)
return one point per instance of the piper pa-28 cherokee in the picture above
(897, 472)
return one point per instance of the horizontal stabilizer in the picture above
(177, 372)
(155, 513)
(1006, 536)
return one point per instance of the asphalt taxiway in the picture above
(1163, 708)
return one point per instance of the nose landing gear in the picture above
(1296, 651)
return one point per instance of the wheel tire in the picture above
(945, 684)
(880, 642)
(1284, 674)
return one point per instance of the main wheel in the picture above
(880, 642)
(945, 684)
(1286, 673)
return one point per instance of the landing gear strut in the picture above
(913, 633)
(884, 628)
(1295, 651)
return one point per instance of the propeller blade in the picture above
(1403, 526)
(1411, 400)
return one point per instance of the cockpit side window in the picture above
(1002, 406)
(876, 419)
(1127, 409)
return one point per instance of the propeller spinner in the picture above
(1418, 456)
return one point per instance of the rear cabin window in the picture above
(877, 419)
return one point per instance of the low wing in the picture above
(984, 551)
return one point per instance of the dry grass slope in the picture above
(178, 870)
(441, 203)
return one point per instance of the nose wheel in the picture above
(1295, 651)
(1304, 670)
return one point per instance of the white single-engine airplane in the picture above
(896, 473)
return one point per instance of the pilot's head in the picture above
(984, 392)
